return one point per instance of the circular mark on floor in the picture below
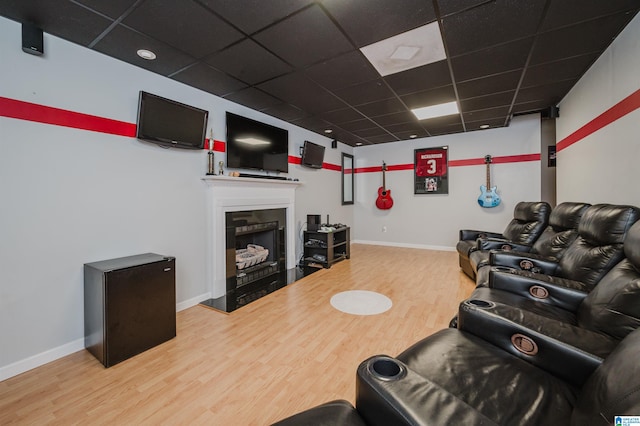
(361, 302)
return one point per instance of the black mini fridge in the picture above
(129, 305)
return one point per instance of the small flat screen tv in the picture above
(255, 145)
(170, 123)
(312, 155)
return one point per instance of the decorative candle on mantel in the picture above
(212, 168)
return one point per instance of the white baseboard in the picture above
(405, 245)
(46, 357)
(192, 302)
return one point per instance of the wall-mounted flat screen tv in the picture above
(255, 145)
(170, 123)
(312, 155)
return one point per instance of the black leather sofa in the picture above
(529, 221)
(552, 243)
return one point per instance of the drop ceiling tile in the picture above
(398, 117)
(551, 93)
(318, 101)
(568, 12)
(289, 87)
(408, 135)
(66, 20)
(253, 98)
(530, 107)
(446, 130)
(486, 114)
(249, 62)
(112, 8)
(411, 49)
(448, 7)
(342, 71)
(498, 59)
(343, 115)
(286, 112)
(368, 21)
(367, 133)
(491, 24)
(253, 15)
(430, 97)
(362, 124)
(208, 79)
(588, 37)
(448, 120)
(386, 106)
(488, 101)
(370, 91)
(122, 43)
(305, 38)
(184, 25)
(488, 85)
(566, 69)
(423, 78)
(314, 124)
(414, 126)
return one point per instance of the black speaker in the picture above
(334, 143)
(32, 41)
(313, 222)
(551, 112)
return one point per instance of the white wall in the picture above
(72, 196)
(433, 221)
(600, 168)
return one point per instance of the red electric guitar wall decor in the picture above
(384, 201)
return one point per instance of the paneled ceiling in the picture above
(300, 60)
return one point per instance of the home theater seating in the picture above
(550, 335)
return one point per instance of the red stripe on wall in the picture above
(619, 110)
(60, 117)
(458, 163)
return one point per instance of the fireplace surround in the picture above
(241, 195)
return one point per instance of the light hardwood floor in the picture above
(272, 358)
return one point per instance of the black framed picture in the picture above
(430, 169)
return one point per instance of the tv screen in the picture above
(255, 145)
(170, 123)
(312, 155)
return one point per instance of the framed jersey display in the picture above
(430, 166)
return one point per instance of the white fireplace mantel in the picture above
(232, 194)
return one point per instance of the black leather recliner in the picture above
(551, 244)
(598, 247)
(529, 221)
(594, 322)
(455, 377)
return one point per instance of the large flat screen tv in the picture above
(170, 123)
(312, 155)
(255, 145)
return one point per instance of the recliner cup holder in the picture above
(482, 304)
(386, 369)
(502, 269)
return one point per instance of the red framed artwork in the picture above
(431, 166)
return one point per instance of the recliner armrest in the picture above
(401, 396)
(471, 234)
(564, 350)
(560, 292)
(500, 244)
(524, 261)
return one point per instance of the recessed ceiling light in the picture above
(484, 126)
(433, 111)
(413, 136)
(146, 54)
(328, 131)
(358, 143)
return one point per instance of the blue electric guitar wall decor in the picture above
(488, 199)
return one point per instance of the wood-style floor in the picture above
(272, 358)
